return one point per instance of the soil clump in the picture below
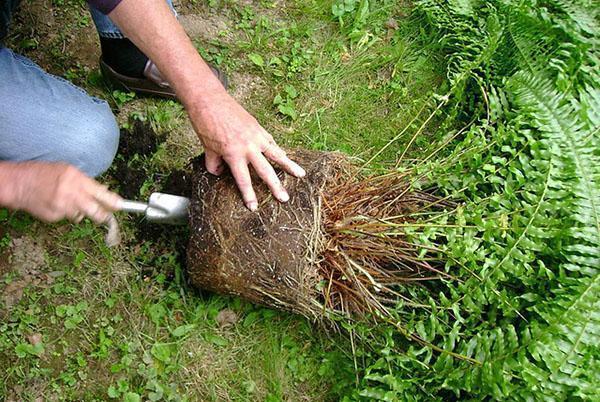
(337, 246)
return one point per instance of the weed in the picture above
(285, 104)
(121, 98)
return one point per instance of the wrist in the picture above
(201, 92)
(9, 184)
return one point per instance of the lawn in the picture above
(88, 322)
(492, 108)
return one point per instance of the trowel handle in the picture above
(134, 206)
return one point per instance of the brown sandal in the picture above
(152, 84)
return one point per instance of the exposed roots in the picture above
(367, 254)
(338, 246)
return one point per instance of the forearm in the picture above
(151, 25)
(227, 131)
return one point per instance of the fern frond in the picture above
(527, 238)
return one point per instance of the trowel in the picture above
(161, 208)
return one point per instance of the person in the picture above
(55, 138)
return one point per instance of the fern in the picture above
(573, 316)
(525, 316)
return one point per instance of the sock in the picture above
(123, 56)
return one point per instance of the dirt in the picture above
(226, 318)
(136, 144)
(212, 25)
(245, 85)
(178, 182)
(57, 38)
(4, 251)
(27, 262)
(263, 256)
(208, 27)
(140, 140)
(27, 255)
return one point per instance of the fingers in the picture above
(266, 172)
(214, 163)
(109, 200)
(94, 210)
(76, 216)
(95, 201)
(241, 174)
(278, 155)
(102, 195)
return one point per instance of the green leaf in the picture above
(216, 339)
(337, 10)
(28, 44)
(256, 59)
(23, 350)
(113, 392)
(131, 397)
(61, 310)
(291, 91)
(288, 110)
(161, 352)
(250, 319)
(183, 330)
(79, 258)
(157, 312)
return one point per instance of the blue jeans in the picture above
(106, 28)
(44, 117)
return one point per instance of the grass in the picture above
(122, 323)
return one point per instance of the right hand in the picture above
(56, 191)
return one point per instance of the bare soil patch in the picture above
(207, 27)
(136, 143)
(245, 86)
(57, 38)
(27, 261)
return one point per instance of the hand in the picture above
(55, 191)
(232, 135)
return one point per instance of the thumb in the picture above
(214, 162)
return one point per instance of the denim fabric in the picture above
(106, 28)
(44, 117)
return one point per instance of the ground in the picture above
(80, 321)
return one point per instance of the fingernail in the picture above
(284, 197)
(300, 172)
(252, 206)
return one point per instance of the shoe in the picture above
(152, 83)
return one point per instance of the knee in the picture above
(96, 140)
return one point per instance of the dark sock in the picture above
(123, 56)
